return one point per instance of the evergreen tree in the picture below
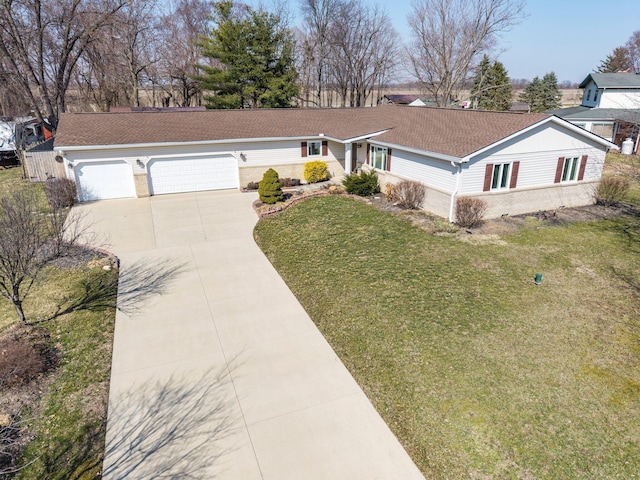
(491, 87)
(254, 58)
(617, 61)
(542, 95)
(270, 189)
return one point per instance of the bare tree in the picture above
(101, 79)
(318, 18)
(30, 239)
(450, 35)
(364, 50)
(633, 49)
(183, 28)
(41, 42)
(138, 25)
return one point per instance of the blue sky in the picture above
(568, 37)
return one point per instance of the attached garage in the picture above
(104, 180)
(192, 174)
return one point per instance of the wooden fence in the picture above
(40, 163)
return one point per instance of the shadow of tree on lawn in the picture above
(170, 429)
(128, 290)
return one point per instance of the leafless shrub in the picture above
(20, 362)
(29, 241)
(410, 194)
(469, 211)
(10, 444)
(61, 192)
(390, 192)
(612, 190)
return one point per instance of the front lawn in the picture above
(61, 412)
(479, 372)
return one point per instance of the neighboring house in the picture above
(402, 99)
(610, 106)
(518, 163)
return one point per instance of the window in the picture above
(379, 157)
(595, 96)
(588, 95)
(605, 130)
(500, 178)
(570, 169)
(314, 149)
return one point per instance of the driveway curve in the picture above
(218, 371)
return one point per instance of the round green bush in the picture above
(270, 190)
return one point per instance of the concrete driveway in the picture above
(218, 372)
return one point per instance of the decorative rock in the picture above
(107, 268)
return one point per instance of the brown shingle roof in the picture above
(446, 131)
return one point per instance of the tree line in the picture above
(93, 55)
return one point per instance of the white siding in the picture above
(613, 98)
(265, 153)
(538, 153)
(430, 171)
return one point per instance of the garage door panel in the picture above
(193, 174)
(104, 180)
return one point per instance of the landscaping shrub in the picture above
(253, 185)
(390, 191)
(61, 192)
(316, 171)
(290, 182)
(612, 190)
(469, 211)
(270, 190)
(20, 362)
(410, 194)
(364, 184)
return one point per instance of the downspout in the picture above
(458, 173)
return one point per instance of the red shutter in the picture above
(583, 166)
(559, 170)
(368, 153)
(303, 148)
(325, 148)
(388, 159)
(488, 173)
(514, 174)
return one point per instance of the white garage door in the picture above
(102, 180)
(193, 174)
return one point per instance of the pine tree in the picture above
(542, 95)
(255, 59)
(551, 92)
(491, 87)
(617, 61)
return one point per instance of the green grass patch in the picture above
(479, 372)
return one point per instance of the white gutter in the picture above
(458, 173)
(72, 148)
